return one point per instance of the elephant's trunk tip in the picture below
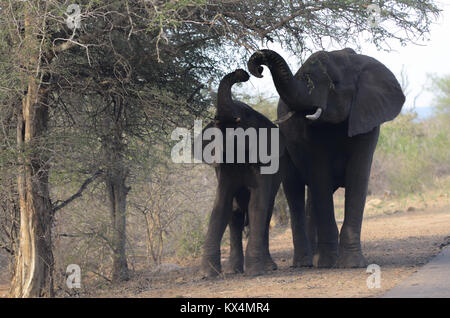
(241, 76)
(254, 64)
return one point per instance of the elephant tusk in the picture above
(316, 115)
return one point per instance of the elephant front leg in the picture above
(220, 216)
(294, 190)
(326, 253)
(311, 227)
(350, 252)
(356, 184)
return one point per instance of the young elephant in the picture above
(242, 187)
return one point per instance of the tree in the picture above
(441, 85)
(132, 107)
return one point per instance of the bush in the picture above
(411, 154)
(191, 235)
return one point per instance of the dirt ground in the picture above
(399, 241)
(399, 237)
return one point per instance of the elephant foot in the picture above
(211, 267)
(303, 261)
(351, 259)
(325, 257)
(254, 266)
(269, 264)
(236, 265)
(254, 270)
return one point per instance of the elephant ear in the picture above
(379, 98)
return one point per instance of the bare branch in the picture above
(79, 193)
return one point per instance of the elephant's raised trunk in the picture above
(273, 61)
(225, 109)
(292, 91)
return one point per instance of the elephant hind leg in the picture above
(238, 221)
(257, 255)
(269, 263)
(219, 219)
(236, 250)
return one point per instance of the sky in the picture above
(431, 57)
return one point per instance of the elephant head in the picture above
(228, 111)
(239, 116)
(233, 113)
(334, 87)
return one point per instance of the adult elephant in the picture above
(330, 113)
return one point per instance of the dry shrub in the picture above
(411, 155)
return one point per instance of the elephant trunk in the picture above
(225, 108)
(294, 92)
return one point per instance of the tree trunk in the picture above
(34, 260)
(117, 191)
(117, 195)
(13, 210)
(149, 237)
(33, 273)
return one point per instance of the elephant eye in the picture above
(308, 80)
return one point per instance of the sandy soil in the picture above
(399, 237)
(398, 241)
